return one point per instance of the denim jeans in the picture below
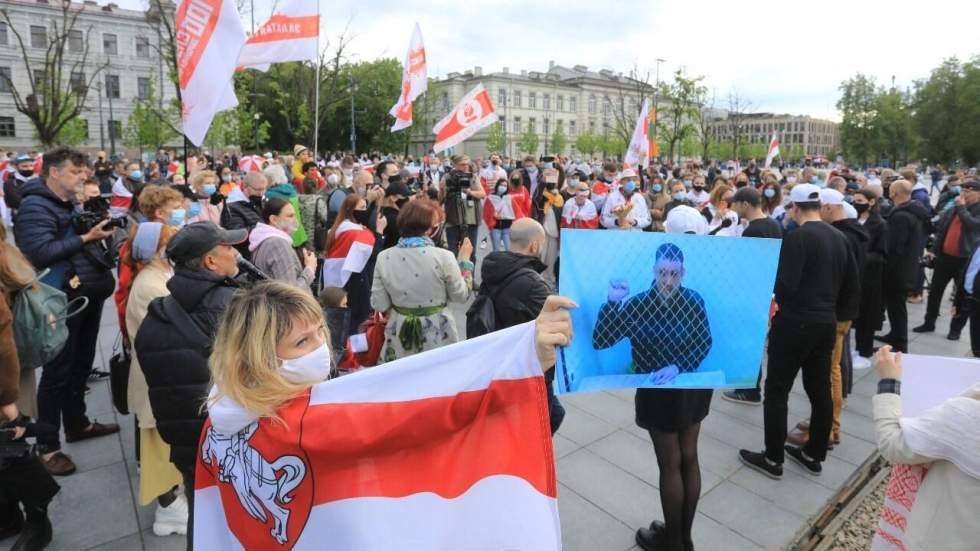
(455, 235)
(500, 237)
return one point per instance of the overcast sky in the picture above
(786, 56)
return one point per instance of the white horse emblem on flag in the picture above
(254, 478)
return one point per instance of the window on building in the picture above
(7, 127)
(547, 102)
(622, 104)
(517, 98)
(517, 125)
(560, 103)
(591, 127)
(84, 124)
(76, 40)
(115, 130)
(78, 83)
(502, 97)
(573, 104)
(571, 128)
(143, 87)
(531, 125)
(605, 105)
(6, 80)
(4, 40)
(142, 46)
(39, 36)
(40, 79)
(110, 44)
(112, 86)
(445, 101)
(592, 105)
(547, 127)
(532, 100)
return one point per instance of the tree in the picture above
(585, 143)
(858, 106)
(676, 122)
(528, 142)
(939, 112)
(58, 86)
(145, 125)
(894, 136)
(706, 115)
(738, 110)
(631, 91)
(558, 140)
(495, 138)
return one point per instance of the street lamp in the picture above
(656, 107)
(352, 89)
(112, 130)
(255, 118)
(98, 86)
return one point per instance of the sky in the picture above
(784, 56)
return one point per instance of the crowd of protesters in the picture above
(390, 243)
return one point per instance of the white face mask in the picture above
(311, 368)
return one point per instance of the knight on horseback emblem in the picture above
(255, 479)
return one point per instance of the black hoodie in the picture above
(908, 227)
(524, 296)
(858, 239)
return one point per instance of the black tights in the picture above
(680, 481)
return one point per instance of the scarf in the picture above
(415, 242)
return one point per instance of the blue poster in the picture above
(664, 310)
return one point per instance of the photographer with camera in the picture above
(53, 236)
(460, 196)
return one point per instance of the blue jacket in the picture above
(43, 232)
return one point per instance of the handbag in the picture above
(119, 365)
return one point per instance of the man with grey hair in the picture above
(514, 282)
(243, 208)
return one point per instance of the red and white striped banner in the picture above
(348, 255)
(473, 113)
(414, 81)
(289, 35)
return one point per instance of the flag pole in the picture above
(316, 109)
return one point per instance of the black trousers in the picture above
(947, 268)
(973, 311)
(793, 346)
(61, 391)
(187, 472)
(898, 317)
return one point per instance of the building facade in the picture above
(576, 100)
(816, 137)
(126, 41)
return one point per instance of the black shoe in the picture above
(742, 396)
(759, 462)
(809, 465)
(887, 339)
(652, 538)
(926, 327)
(34, 537)
(13, 522)
(953, 335)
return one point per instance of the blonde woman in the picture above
(159, 478)
(205, 186)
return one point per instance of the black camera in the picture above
(457, 182)
(20, 449)
(84, 221)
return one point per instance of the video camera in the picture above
(458, 181)
(95, 211)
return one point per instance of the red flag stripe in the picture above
(283, 27)
(195, 23)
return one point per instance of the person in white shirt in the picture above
(580, 212)
(503, 209)
(493, 171)
(698, 195)
(625, 208)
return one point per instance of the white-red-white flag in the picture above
(289, 35)
(348, 255)
(209, 36)
(412, 454)
(773, 150)
(415, 81)
(473, 113)
(638, 153)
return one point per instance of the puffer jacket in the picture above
(43, 232)
(172, 346)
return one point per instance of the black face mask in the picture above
(361, 217)
(401, 203)
(861, 208)
(26, 173)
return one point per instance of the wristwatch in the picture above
(889, 386)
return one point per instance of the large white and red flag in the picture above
(773, 150)
(473, 113)
(415, 81)
(290, 34)
(209, 38)
(638, 153)
(449, 449)
(348, 255)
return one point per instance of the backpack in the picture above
(40, 331)
(481, 316)
(313, 213)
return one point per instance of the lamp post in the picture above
(112, 131)
(98, 86)
(352, 89)
(656, 107)
(255, 126)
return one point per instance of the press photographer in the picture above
(461, 194)
(79, 264)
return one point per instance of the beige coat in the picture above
(947, 506)
(149, 284)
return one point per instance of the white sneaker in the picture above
(859, 362)
(172, 519)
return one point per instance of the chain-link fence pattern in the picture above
(703, 308)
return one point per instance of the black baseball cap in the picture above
(196, 239)
(397, 188)
(972, 185)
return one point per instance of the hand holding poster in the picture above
(664, 310)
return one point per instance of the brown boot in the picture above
(798, 437)
(59, 464)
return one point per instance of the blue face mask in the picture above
(770, 193)
(136, 175)
(957, 189)
(629, 186)
(177, 216)
(657, 188)
(194, 210)
(814, 180)
(209, 189)
(226, 177)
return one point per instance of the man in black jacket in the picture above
(174, 341)
(957, 236)
(12, 186)
(79, 265)
(514, 279)
(243, 209)
(908, 226)
(815, 282)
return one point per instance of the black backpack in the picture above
(481, 316)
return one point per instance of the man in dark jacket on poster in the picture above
(514, 279)
(908, 226)
(78, 264)
(175, 339)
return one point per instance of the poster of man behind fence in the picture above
(664, 310)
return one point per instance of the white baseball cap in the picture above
(627, 173)
(830, 197)
(685, 219)
(804, 193)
